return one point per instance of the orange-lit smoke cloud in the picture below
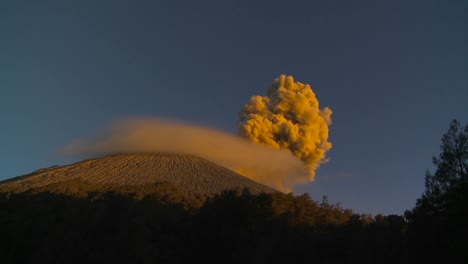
(289, 117)
(275, 168)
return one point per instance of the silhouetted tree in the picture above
(439, 222)
(452, 164)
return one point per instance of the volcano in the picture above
(140, 172)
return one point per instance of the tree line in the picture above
(78, 223)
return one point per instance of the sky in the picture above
(393, 72)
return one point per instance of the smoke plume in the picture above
(275, 168)
(289, 117)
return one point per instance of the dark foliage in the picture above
(231, 228)
(438, 227)
(78, 222)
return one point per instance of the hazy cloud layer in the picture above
(289, 117)
(276, 168)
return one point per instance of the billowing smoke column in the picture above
(289, 117)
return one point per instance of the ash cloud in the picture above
(276, 168)
(289, 118)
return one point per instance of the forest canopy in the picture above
(78, 222)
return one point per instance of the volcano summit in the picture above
(187, 173)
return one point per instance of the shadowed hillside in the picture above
(171, 208)
(166, 208)
(231, 227)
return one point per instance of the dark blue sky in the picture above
(393, 72)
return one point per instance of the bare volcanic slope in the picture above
(191, 174)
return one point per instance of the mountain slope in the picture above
(190, 174)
